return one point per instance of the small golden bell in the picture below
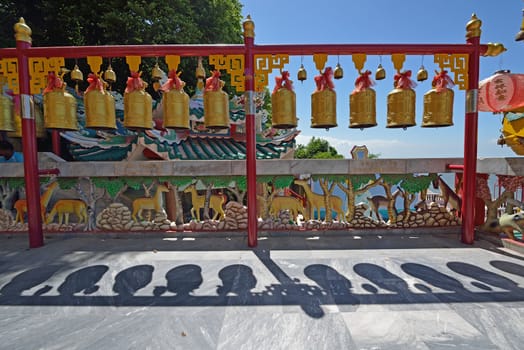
(422, 74)
(380, 73)
(302, 74)
(76, 74)
(338, 73)
(200, 71)
(156, 72)
(110, 75)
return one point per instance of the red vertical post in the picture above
(32, 183)
(470, 133)
(251, 155)
(55, 134)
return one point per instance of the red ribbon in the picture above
(213, 83)
(325, 80)
(442, 81)
(173, 80)
(95, 83)
(363, 82)
(283, 82)
(53, 82)
(403, 81)
(134, 82)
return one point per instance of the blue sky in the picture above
(386, 21)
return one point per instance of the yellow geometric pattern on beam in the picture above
(9, 69)
(134, 63)
(234, 65)
(95, 63)
(320, 60)
(39, 67)
(398, 60)
(264, 64)
(456, 63)
(172, 61)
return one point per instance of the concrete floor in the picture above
(291, 292)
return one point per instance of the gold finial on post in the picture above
(473, 27)
(249, 27)
(22, 31)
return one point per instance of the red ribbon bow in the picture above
(441, 81)
(95, 83)
(213, 83)
(134, 82)
(403, 81)
(363, 82)
(283, 82)
(173, 80)
(53, 82)
(325, 80)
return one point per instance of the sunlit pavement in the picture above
(291, 292)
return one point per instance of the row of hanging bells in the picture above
(438, 102)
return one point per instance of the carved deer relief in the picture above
(64, 207)
(448, 195)
(378, 201)
(21, 204)
(149, 203)
(316, 201)
(292, 204)
(215, 202)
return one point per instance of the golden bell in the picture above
(157, 73)
(138, 110)
(324, 109)
(401, 108)
(110, 75)
(39, 120)
(380, 73)
(283, 103)
(422, 74)
(216, 109)
(438, 108)
(60, 110)
(76, 74)
(338, 73)
(6, 114)
(302, 73)
(362, 109)
(175, 105)
(100, 110)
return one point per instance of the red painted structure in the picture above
(472, 48)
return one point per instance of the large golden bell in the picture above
(362, 109)
(175, 105)
(138, 110)
(6, 114)
(324, 109)
(438, 108)
(100, 110)
(39, 121)
(284, 103)
(60, 110)
(401, 108)
(216, 109)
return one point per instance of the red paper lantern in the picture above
(502, 92)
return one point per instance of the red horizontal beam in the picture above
(52, 171)
(237, 49)
(459, 167)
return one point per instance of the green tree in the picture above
(130, 22)
(317, 148)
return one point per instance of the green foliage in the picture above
(241, 182)
(330, 178)
(317, 148)
(134, 182)
(14, 182)
(179, 181)
(67, 183)
(361, 180)
(217, 181)
(132, 22)
(110, 184)
(393, 179)
(278, 182)
(415, 184)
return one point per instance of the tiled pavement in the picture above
(291, 292)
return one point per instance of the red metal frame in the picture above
(24, 50)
